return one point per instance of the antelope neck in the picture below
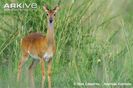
(50, 33)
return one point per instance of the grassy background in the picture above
(93, 37)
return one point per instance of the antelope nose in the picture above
(50, 20)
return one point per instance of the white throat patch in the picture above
(47, 56)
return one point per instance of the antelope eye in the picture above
(47, 14)
(54, 14)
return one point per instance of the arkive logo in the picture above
(20, 6)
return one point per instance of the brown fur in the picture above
(35, 43)
(40, 46)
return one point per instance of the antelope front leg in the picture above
(49, 73)
(43, 72)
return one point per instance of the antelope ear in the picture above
(45, 7)
(56, 9)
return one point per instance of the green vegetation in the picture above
(94, 41)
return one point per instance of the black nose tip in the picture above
(50, 21)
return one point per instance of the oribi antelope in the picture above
(41, 48)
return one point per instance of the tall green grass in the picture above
(93, 40)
